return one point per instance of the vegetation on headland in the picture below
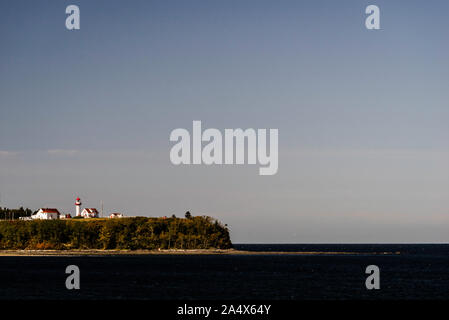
(200, 232)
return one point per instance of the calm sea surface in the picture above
(419, 272)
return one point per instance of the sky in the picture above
(363, 115)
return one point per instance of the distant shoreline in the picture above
(92, 252)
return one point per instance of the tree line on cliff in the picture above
(199, 232)
(11, 214)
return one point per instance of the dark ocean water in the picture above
(419, 272)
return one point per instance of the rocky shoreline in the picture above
(92, 252)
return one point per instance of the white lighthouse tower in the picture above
(78, 207)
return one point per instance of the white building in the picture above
(46, 214)
(90, 213)
(116, 215)
(78, 206)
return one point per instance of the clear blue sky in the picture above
(363, 116)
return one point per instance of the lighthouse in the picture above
(78, 206)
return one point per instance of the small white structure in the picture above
(78, 206)
(90, 213)
(116, 215)
(46, 214)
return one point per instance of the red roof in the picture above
(50, 210)
(91, 210)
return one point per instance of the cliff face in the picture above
(125, 233)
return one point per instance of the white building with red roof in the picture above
(46, 214)
(90, 213)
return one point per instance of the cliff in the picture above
(124, 233)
